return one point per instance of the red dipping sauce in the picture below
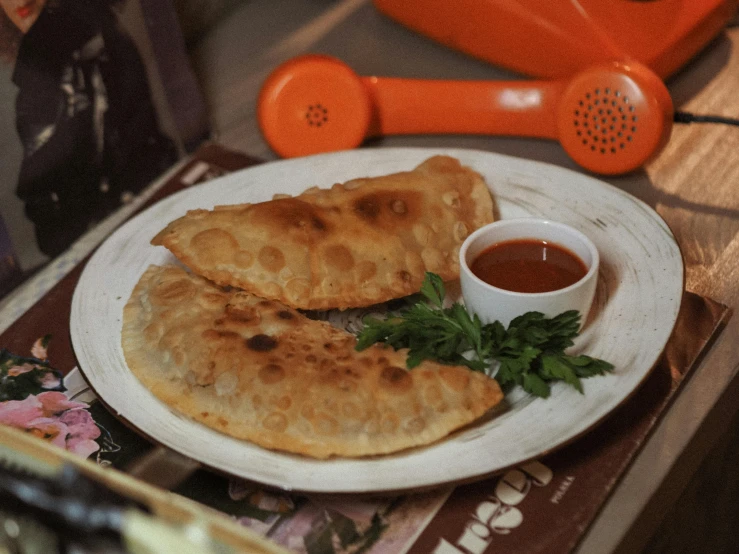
(528, 265)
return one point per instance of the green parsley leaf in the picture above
(533, 384)
(530, 352)
(433, 289)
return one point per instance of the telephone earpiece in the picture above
(610, 119)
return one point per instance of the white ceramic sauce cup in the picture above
(491, 303)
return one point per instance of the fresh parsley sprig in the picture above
(530, 351)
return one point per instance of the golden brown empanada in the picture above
(356, 244)
(258, 370)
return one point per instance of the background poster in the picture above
(154, 30)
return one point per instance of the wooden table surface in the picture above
(693, 185)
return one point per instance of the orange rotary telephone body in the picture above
(558, 38)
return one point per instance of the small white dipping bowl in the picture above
(492, 303)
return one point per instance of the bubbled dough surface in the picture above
(258, 370)
(356, 244)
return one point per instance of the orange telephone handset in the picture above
(611, 118)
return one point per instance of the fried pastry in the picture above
(261, 371)
(355, 244)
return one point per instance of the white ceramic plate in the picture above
(639, 292)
